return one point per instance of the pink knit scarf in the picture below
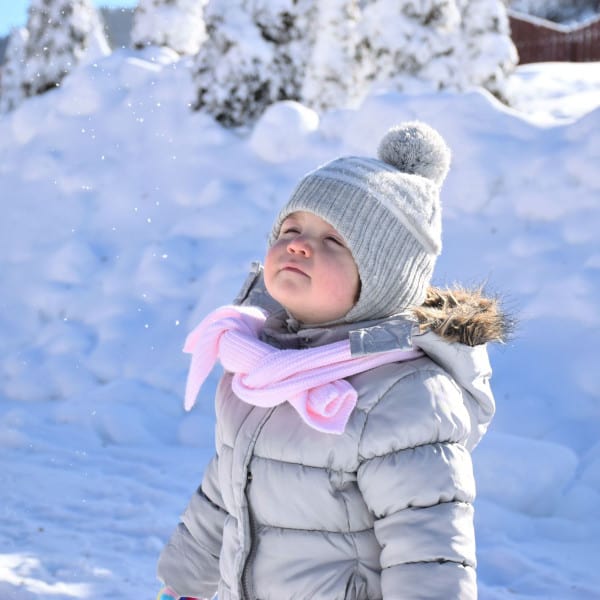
(311, 380)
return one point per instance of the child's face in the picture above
(310, 271)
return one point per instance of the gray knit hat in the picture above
(388, 212)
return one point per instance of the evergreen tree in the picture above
(255, 55)
(234, 72)
(62, 33)
(11, 71)
(437, 44)
(177, 24)
(332, 76)
(486, 53)
(289, 25)
(400, 40)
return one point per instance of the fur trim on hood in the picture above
(463, 316)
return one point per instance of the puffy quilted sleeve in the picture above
(189, 563)
(416, 477)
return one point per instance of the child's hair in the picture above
(388, 212)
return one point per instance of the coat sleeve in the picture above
(189, 563)
(416, 477)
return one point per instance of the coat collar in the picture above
(367, 337)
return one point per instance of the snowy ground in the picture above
(125, 218)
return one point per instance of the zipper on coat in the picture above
(246, 577)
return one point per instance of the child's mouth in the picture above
(293, 269)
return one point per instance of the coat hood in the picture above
(462, 316)
(455, 326)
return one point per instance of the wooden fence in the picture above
(539, 40)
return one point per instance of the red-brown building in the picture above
(539, 40)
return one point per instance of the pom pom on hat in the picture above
(416, 149)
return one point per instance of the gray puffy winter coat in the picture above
(382, 511)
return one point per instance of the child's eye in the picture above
(334, 239)
(290, 230)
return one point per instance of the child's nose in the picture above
(299, 245)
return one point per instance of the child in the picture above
(346, 417)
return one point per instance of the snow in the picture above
(178, 25)
(127, 217)
(557, 91)
(283, 131)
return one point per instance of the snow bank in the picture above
(126, 218)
